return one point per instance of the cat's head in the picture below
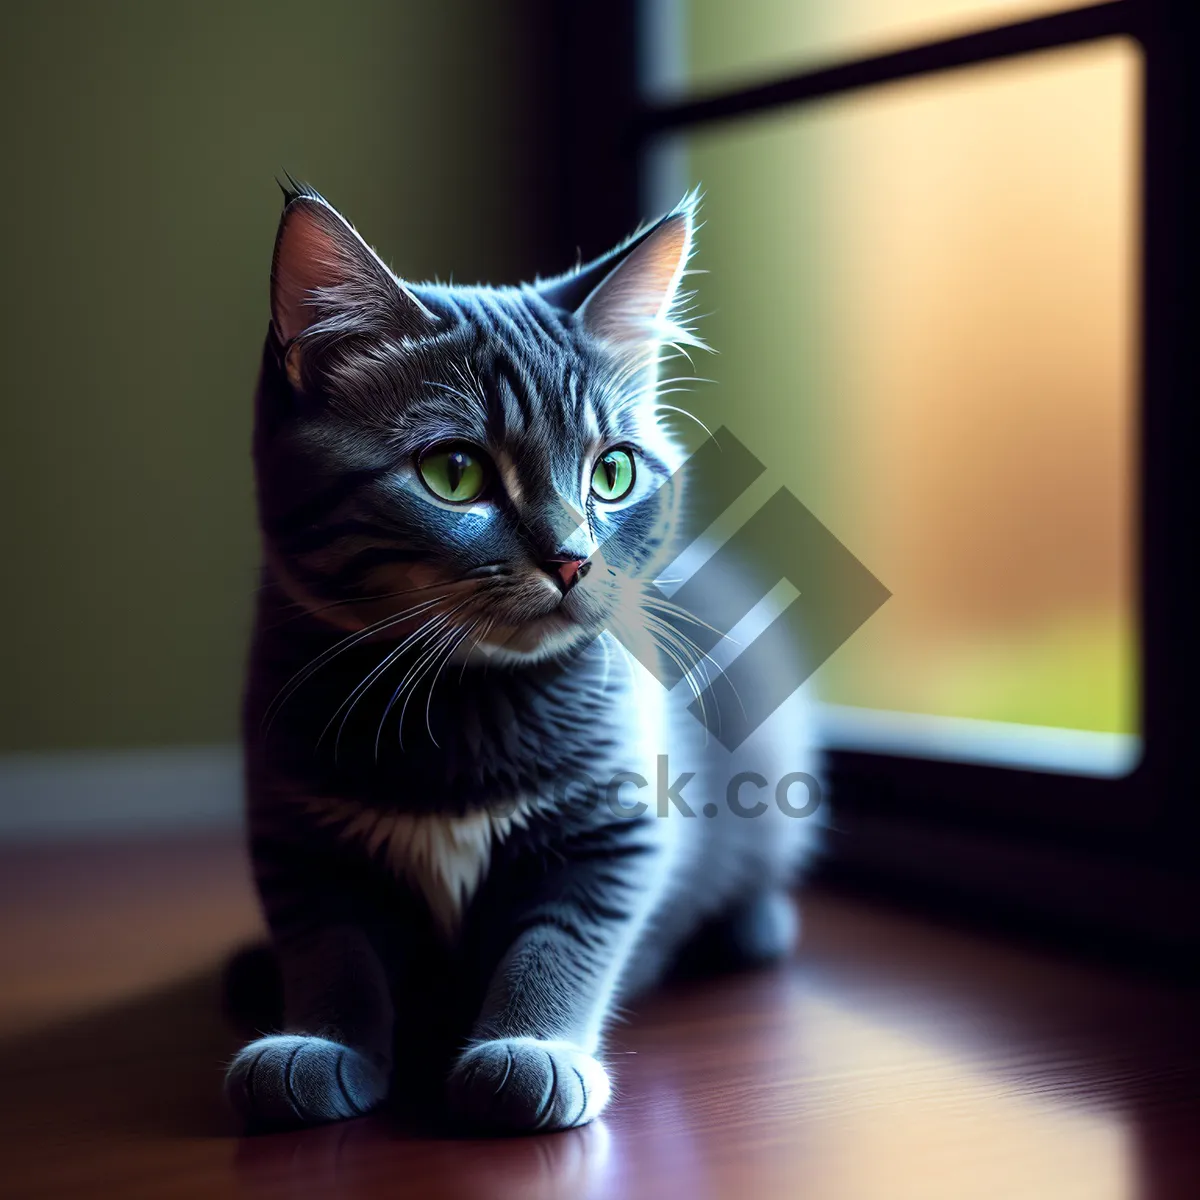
(483, 462)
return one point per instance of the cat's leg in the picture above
(754, 931)
(531, 1064)
(762, 928)
(333, 1058)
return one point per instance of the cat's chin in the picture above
(532, 641)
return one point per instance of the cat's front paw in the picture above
(524, 1085)
(294, 1079)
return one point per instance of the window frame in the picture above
(1114, 856)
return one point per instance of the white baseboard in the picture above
(90, 793)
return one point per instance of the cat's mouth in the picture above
(558, 623)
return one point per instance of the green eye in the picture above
(612, 478)
(453, 472)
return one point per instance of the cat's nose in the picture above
(566, 572)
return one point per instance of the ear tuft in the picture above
(631, 298)
(327, 283)
(293, 188)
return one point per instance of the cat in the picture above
(478, 824)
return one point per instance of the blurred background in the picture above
(141, 142)
(924, 298)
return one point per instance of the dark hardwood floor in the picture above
(893, 1059)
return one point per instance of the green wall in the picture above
(140, 141)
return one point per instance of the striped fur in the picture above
(444, 746)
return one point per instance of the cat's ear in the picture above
(631, 297)
(327, 283)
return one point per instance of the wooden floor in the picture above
(894, 1059)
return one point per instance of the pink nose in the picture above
(567, 571)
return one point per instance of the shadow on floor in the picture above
(151, 1064)
(132, 1092)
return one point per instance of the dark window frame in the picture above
(1105, 856)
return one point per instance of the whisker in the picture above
(684, 412)
(688, 648)
(677, 657)
(401, 686)
(428, 657)
(685, 379)
(482, 634)
(689, 645)
(692, 648)
(666, 606)
(425, 587)
(364, 684)
(441, 666)
(301, 676)
(306, 672)
(359, 690)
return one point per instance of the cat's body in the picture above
(473, 831)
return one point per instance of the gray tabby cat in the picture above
(477, 823)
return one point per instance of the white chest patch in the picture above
(445, 858)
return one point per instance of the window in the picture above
(719, 47)
(925, 304)
(943, 239)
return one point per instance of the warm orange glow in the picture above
(939, 1125)
(925, 306)
(753, 38)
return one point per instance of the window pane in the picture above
(728, 43)
(923, 300)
